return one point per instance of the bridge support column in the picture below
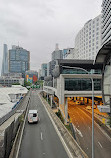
(66, 111)
(51, 101)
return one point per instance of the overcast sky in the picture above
(37, 25)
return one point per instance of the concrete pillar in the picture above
(66, 111)
(51, 101)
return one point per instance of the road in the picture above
(41, 140)
(83, 126)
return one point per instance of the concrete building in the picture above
(5, 61)
(9, 81)
(19, 60)
(39, 74)
(106, 21)
(88, 40)
(69, 81)
(51, 67)
(57, 54)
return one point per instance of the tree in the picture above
(26, 83)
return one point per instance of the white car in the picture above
(33, 116)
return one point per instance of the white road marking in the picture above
(39, 118)
(41, 136)
(79, 132)
(61, 138)
(100, 144)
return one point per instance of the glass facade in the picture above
(82, 84)
(18, 60)
(76, 71)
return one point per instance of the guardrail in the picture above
(12, 112)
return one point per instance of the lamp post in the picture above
(79, 68)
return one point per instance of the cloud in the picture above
(38, 24)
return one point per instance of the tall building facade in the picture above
(88, 40)
(57, 54)
(19, 60)
(44, 70)
(106, 21)
(5, 61)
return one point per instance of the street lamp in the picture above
(79, 68)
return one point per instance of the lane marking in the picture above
(100, 144)
(41, 136)
(79, 132)
(62, 140)
(75, 129)
(104, 133)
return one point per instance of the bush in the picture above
(60, 115)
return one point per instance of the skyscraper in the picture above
(5, 61)
(19, 60)
(106, 21)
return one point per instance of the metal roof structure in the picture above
(103, 52)
(5, 100)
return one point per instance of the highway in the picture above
(83, 126)
(41, 140)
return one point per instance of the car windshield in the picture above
(34, 115)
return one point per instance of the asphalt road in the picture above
(41, 140)
(83, 126)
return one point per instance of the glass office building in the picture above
(19, 60)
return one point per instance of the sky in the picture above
(37, 25)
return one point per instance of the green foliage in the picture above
(109, 121)
(60, 115)
(16, 84)
(26, 83)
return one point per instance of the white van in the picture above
(33, 116)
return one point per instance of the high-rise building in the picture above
(19, 60)
(57, 54)
(88, 40)
(5, 61)
(44, 70)
(106, 21)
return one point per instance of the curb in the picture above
(15, 149)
